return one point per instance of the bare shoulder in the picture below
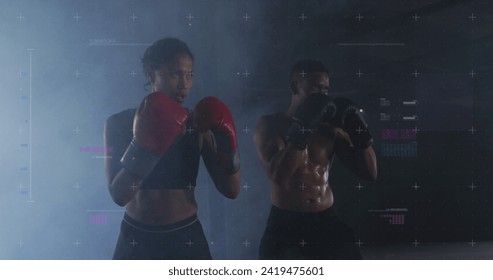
(262, 123)
(268, 135)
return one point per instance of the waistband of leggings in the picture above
(160, 228)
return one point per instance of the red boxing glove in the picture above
(157, 123)
(211, 113)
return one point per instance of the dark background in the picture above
(66, 67)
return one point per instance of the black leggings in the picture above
(295, 235)
(179, 241)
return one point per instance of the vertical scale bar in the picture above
(30, 125)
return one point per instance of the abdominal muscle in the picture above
(162, 207)
(308, 190)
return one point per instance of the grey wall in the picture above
(59, 83)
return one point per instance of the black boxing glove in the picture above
(349, 118)
(308, 116)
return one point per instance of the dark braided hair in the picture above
(162, 52)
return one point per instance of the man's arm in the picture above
(361, 162)
(227, 184)
(122, 184)
(279, 159)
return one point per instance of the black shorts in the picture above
(179, 241)
(295, 235)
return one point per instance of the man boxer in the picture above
(297, 148)
(153, 164)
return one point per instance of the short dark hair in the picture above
(306, 66)
(163, 51)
